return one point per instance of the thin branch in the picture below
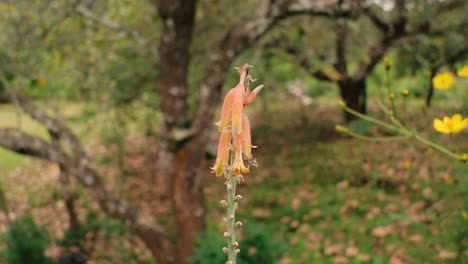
(376, 20)
(141, 40)
(243, 35)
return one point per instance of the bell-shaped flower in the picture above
(238, 167)
(226, 110)
(223, 152)
(246, 138)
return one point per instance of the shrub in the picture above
(26, 242)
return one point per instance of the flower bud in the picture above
(463, 157)
(238, 224)
(391, 96)
(226, 234)
(341, 128)
(405, 92)
(387, 63)
(225, 250)
(224, 203)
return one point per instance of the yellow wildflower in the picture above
(41, 81)
(465, 215)
(463, 72)
(449, 125)
(443, 81)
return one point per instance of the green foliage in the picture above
(256, 246)
(26, 242)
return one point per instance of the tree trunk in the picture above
(430, 89)
(354, 93)
(180, 153)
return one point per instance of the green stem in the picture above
(231, 184)
(231, 217)
(437, 147)
(387, 84)
(377, 139)
(370, 119)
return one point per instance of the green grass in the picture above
(325, 195)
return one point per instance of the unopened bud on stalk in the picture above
(224, 203)
(238, 197)
(342, 104)
(391, 96)
(235, 244)
(225, 250)
(226, 234)
(341, 128)
(387, 63)
(237, 251)
(405, 92)
(463, 157)
(238, 224)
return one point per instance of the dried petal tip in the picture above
(251, 96)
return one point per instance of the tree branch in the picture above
(18, 141)
(376, 20)
(77, 164)
(141, 40)
(244, 34)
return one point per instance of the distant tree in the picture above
(403, 20)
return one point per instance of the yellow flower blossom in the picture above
(449, 125)
(463, 72)
(41, 81)
(443, 81)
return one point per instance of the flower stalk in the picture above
(234, 146)
(232, 205)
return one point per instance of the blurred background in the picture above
(106, 130)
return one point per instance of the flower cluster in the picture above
(449, 125)
(235, 126)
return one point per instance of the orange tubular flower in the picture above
(238, 167)
(223, 152)
(238, 109)
(247, 141)
(226, 111)
(234, 124)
